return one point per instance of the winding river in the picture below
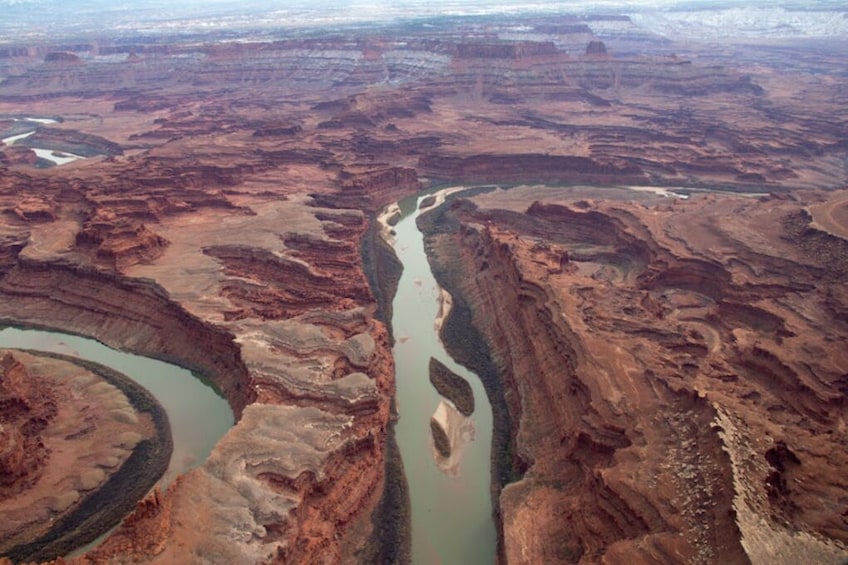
(451, 508)
(199, 417)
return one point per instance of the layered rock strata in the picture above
(80, 445)
(673, 371)
(28, 406)
(251, 297)
(336, 377)
(224, 220)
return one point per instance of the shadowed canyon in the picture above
(643, 245)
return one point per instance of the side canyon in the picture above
(649, 276)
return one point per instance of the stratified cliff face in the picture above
(371, 188)
(204, 257)
(80, 445)
(222, 218)
(674, 372)
(551, 102)
(304, 365)
(530, 167)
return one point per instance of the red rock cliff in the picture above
(636, 372)
(26, 407)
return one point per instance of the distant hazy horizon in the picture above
(42, 19)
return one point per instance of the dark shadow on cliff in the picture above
(466, 344)
(105, 507)
(391, 540)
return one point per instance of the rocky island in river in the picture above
(647, 273)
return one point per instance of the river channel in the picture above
(451, 506)
(47, 155)
(451, 509)
(199, 417)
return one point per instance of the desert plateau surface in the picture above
(631, 225)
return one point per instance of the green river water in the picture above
(199, 417)
(451, 512)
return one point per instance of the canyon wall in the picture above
(263, 296)
(94, 442)
(27, 407)
(637, 371)
(123, 313)
(223, 218)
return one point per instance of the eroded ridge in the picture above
(266, 296)
(674, 371)
(220, 216)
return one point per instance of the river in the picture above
(199, 417)
(55, 157)
(451, 511)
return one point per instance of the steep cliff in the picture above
(94, 442)
(26, 407)
(224, 218)
(638, 365)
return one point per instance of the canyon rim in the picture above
(647, 270)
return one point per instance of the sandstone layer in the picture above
(224, 219)
(79, 445)
(674, 371)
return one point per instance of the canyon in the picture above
(75, 434)
(667, 372)
(668, 402)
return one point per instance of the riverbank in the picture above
(101, 507)
(451, 502)
(455, 433)
(577, 295)
(391, 538)
(464, 342)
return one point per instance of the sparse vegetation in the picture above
(383, 270)
(391, 540)
(465, 343)
(106, 506)
(394, 218)
(452, 386)
(426, 202)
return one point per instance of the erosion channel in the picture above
(198, 416)
(451, 506)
